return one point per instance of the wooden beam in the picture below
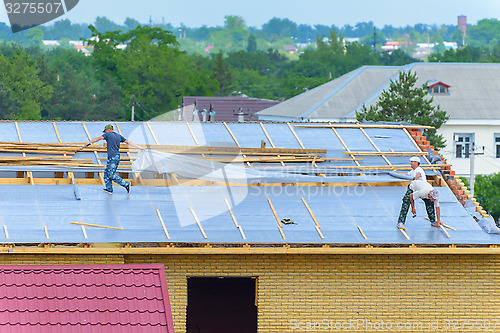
(192, 134)
(262, 250)
(361, 232)
(269, 139)
(295, 135)
(84, 232)
(444, 231)
(46, 231)
(311, 213)
(6, 231)
(404, 234)
(162, 223)
(198, 222)
(345, 147)
(71, 176)
(29, 174)
(101, 174)
(374, 145)
(234, 219)
(96, 225)
(137, 175)
(235, 140)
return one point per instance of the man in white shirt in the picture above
(418, 175)
(430, 196)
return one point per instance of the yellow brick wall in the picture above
(322, 292)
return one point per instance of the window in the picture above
(438, 88)
(463, 144)
(497, 145)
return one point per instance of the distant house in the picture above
(469, 93)
(242, 108)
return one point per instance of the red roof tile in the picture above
(94, 298)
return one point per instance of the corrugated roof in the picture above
(77, 298)
(474, 92)
(225, 108)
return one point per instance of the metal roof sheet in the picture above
(43, 213)
(338, 210)
(111, 298)
(473, 93)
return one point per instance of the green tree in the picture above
(403, 101)
(223, 74)
(252, 44)
(149, 67)
(20, 75)
(487, 191)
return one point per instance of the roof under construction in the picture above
(305, 184)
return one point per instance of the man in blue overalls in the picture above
(113, 141)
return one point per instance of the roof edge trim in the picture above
(258, 250)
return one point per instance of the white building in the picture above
(469, 93)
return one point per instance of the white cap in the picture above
(415, 159)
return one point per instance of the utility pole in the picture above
(472, 175)
(471, 179)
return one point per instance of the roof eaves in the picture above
(269, 250)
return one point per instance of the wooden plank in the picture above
(269, 139)
(311, 213)
(444, 225)
(46, 231)
(295, 135)
(374, 145)
(345, 146)
(137, 175)
(96, 225)
(29, 174)
(232, 135)
(162, 223)
(84, 232)
(231, 212)
(192, 133)
(274, 213)
(404, 234)
(198, 222)
(361, 232)
(444, 231)
(234, 219)
(319, 232)
(71, 176)
(152, 132)
(6, 231)
(101, 174)
(235, 140)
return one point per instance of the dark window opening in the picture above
(221, 305)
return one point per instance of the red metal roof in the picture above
(93, 298)
(225, 107)
(430, 85)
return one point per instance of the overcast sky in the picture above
(195, 13)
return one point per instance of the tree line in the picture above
(146, 67)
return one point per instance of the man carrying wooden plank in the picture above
(113, 141)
